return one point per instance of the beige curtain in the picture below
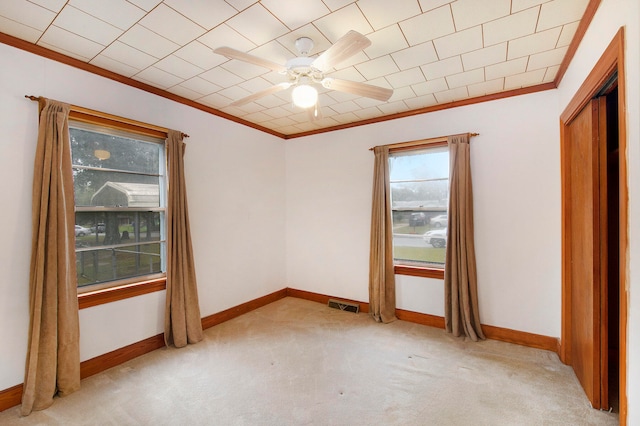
(460, 282)
(382, 284)
(182, 323)
(53, 357)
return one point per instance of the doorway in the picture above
(594, 233)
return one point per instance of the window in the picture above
(419, 181)
(120, 197)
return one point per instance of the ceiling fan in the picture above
(304, 71)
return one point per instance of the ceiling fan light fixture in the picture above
(304, 96)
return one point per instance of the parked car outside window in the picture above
(81, 231)
(417, 219)
(436, 237)
(439, 221)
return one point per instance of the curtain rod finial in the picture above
(33, 98)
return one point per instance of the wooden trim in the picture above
(67, 60)
(236, 311)
(612, 60)
(420, 318)
(10, 397)
(587, 17)
(120, 356)
(113, 122)
(425, 110)
(323, 298)
(113, 294)
(417, 271)
(521, 338)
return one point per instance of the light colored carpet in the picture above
(296, 362)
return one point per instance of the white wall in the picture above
(611, 15)
(516, 178)
(235, 177)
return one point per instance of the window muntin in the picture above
(120, 192)
(419, 183)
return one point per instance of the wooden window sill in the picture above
(418, 271)
(113, 294)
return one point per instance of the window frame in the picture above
(407, 269)
(88, 296)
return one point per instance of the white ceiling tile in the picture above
(535, 43)
(366, 113)
(348, 74)
(337, 4)
(429, 25)
(200, 85)
(221, 77)
(415, 56)
(206, 13)
(367, 102)
(393, 107)
(275, 111)
(377, 67)
(421, 102)
(526, 79)
(235, 93)
(244, 69)
(158, 77)
(283, 121)
(510, 27)
(483, 57)
(255, 84)
(380, 15)
(146, 40)
(71, 43)
(339, 23)
(119, 13)
(486, 87)
(452, 95)
(343, 107)
(118, 67)
(341, 97)
(431, 86)
(52, 5)
(274, 77)
(504, 69)
(258, 117)
(465, 78)
(270, 102)
(21, 31)
(406, 78)
(385, 41)
(442, 68)
(245, 23)
(215, 100)
(126, 54)
(224, 35)
(241, 5)
(427, 5)
(200, 55)
(402, 94)
(178, 67)
(460, 42)
(184, 92)
(469, 13)
(295, 13)
(567, 34)
(345, 118)
(546, 59)
(81, 23)
(273, 51)
(146, 4)
(27, 13)
(560, 12)
(320, 42)
(550, 74)
(170, 24)
(518, 5)
(63, 51)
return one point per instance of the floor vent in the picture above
(344, 306)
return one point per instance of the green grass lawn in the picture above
(420, 254)
(126, 265)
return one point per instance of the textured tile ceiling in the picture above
(430, 52)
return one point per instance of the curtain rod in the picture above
(112, 117)
(422, 141)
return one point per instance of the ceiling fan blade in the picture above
(356, 88)
(245, 57)
(347, 46)
(271, 90)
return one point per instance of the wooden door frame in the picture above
(611, 61)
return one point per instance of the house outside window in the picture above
(419, 182)
(120, 202)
